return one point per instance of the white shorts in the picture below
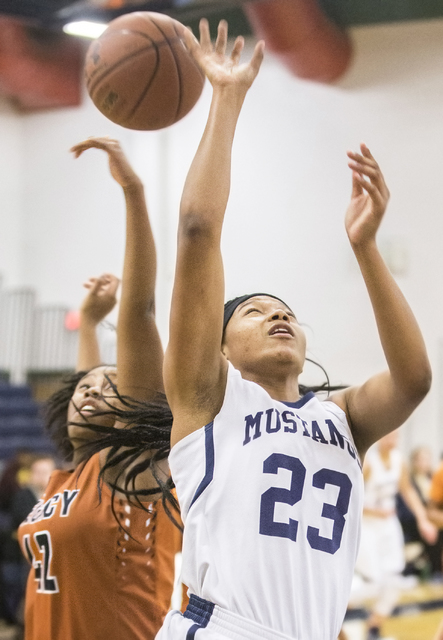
(206, 621)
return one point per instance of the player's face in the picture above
(92, 395)
(261, 330)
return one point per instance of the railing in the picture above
(34, 337)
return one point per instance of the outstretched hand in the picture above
(222, 69)
(101, 297)
(119, 165)
(369, 197)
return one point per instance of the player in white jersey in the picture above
(271, 488)
(381, 556)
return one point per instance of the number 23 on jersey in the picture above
(335, 512)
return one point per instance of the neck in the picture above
(284, 388)
(77, 455)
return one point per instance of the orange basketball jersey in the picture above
(89, 578)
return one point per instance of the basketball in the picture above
(139, 73)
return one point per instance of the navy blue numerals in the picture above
(288, 496)
(274, 495)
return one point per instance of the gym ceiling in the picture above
(54, 13)
(41, 67)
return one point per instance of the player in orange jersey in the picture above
(95, 573)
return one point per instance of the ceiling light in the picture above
(85, 29)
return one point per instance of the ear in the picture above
(225, 350)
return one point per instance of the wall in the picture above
(11, 194)
(291, 185)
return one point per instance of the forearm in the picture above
(400, 336)
(139, 350)
(140, 262)
(207, 186)
(88, 355)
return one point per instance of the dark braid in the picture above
(140, 445)
(326, 386)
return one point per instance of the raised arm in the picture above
(139, 350)
(98, 303)
(386, 400)
(195, 370)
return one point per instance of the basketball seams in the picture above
(121, 61)
(109, 70)
(148, 86)
(177, 66)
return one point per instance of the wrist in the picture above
(135, 185)
(230, 94)
(365, 248)
(88, 323)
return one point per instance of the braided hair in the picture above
(325, 387)
(141, 444)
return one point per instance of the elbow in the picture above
(420, 384)
(426, 382)
(425, 379)
(196, 228)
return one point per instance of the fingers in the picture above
(237, 49)
(257, 56)
(103, 142)
(113, 284)
(357, 188)
(93, 285)
(107, 284)
(365, 163)
(222, 38)
(205, 36)
(370, 176)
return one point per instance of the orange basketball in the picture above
(139, 73)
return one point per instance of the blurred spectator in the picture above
(427, 557)
(9, 481)
(9, 485)
(381, 556)
(435, 506)
(14, 567)
(421, 470)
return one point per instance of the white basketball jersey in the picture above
(271, 496)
